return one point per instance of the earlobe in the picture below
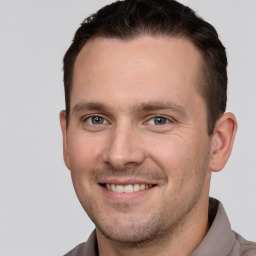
(63, 122)
(222, 141)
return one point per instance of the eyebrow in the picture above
(142, 107)
(90, 106)
(159, 105)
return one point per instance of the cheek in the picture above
(170, 153)
(178, 156)
(84, 153)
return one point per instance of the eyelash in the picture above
(86, 118)
(153, 118)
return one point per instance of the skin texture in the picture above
(127, 85)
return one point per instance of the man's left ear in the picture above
(222, 141)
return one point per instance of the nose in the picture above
(124, 148)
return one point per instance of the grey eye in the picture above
(160, 120)
(96, 120)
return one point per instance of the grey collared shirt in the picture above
(219, 241)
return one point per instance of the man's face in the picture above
(137, 144)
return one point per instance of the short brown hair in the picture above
(129, 19)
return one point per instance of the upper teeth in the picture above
(127, 188)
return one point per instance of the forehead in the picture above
(160, 66)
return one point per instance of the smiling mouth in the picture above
(129, 188)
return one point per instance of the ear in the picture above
(63, 124)
(222, 141)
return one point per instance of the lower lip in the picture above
(125, 196)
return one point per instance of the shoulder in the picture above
(243, 247)
(77, 251)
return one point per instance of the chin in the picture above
(132, 233)
(130, 238)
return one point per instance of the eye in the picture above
(96, 120)
(159, 120)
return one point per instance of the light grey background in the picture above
(39, 212)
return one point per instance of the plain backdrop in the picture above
(39, 212)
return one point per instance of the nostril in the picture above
(120, 160)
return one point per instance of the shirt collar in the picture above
(91, 247)
(220, 238)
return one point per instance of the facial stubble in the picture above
(166, 221)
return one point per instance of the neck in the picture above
(181, 240)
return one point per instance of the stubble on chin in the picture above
(164, 223)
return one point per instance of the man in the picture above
(144, 127)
